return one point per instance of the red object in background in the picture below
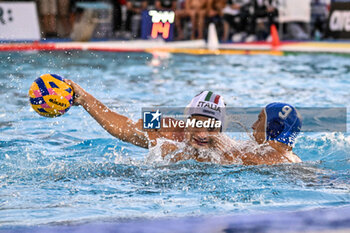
(274, 35)
(122, 2)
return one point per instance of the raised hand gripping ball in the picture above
(50, 96)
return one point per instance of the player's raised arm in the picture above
(117, 125)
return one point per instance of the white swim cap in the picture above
(207, 104)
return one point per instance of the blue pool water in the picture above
(69, 170)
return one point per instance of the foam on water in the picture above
(69, 169)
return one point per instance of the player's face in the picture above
(203, 137)
(259, 128)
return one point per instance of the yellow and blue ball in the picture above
(50, 96)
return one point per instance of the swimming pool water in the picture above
(69, 170)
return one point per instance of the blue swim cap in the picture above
(283, 123)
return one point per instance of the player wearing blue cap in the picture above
(275, 130)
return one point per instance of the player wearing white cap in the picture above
(197, 138)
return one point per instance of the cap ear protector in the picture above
(275, 127)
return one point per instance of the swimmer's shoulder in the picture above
(251, 153)
(254, 154)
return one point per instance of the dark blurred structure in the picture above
(319, 18)
(118, 22)
(133, 17)
(235, 18)
(265, 14)
(251, 20)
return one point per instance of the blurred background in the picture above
(235, 20)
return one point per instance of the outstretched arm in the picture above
(117, 125)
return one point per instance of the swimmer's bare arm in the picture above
(117, 125)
